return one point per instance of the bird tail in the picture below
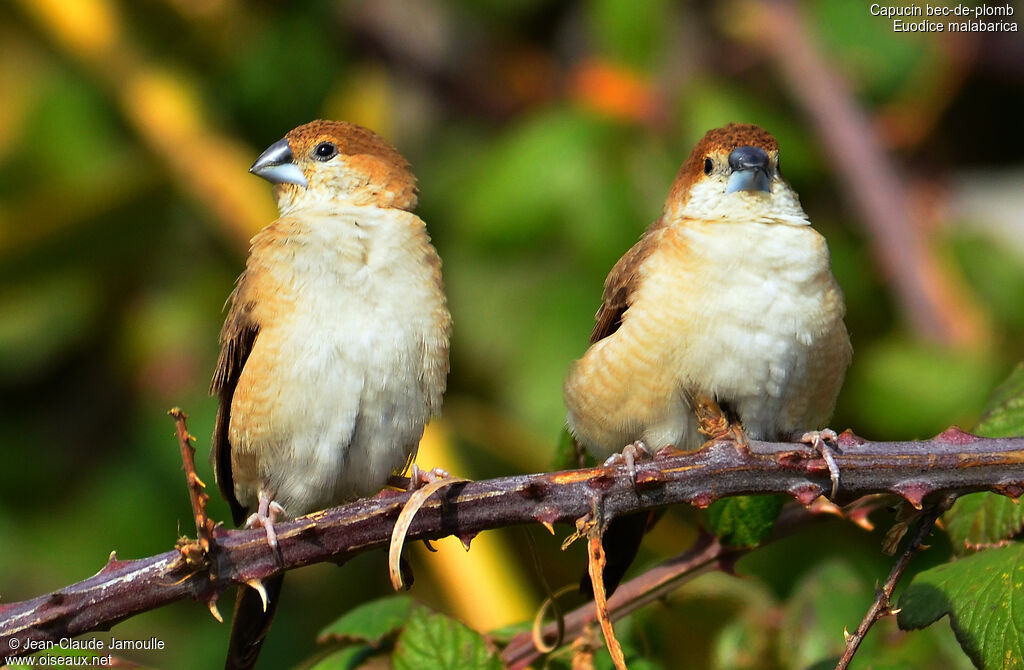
(251, 622)
(621, 542)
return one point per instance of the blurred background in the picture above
(545, 135)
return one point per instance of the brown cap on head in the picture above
(382, 166)
(351, 140)
(719, 142)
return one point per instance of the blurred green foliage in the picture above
(116, 258)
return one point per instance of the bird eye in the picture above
(708, 166)
(325, 151)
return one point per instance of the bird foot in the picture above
(265, 517)
(819, 441)
(712, 422)
(629, 456)
(420, 478)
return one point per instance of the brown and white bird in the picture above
(728, 297)
(334, 354)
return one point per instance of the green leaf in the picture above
(985, 519)
(348, 658)
(1004, 415)
(744, 521)
(441, 643)
(371, 623)
(982, 520)
(983, 597)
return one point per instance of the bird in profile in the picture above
(334, 353)
(726, 307)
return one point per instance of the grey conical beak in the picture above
(277, 165)
(750, 166)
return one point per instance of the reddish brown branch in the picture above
(918, 471)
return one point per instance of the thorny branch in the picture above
(881, 606)
(920, 472)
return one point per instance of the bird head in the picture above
(733, 174)
(334, 161)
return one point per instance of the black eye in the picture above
(325, 151)
(708, 166)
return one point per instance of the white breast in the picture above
(761, 291)
(361, 367)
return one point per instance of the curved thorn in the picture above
(257, 586)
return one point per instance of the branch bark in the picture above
(952, 462)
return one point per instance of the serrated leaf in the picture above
(370, 623)
(744, 521)
(985, 519)
(982, 520)
(984, 598)
(441, 643)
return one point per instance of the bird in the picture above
(334, 352)
(727, 307)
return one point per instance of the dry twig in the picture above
(196, 487)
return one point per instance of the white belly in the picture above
(739, 312)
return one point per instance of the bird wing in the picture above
(621, 284)
(622, 538)
(236, 341)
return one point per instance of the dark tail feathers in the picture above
(250, 623)
(621, 542)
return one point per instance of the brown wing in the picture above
(236, 342)
(621, 283)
